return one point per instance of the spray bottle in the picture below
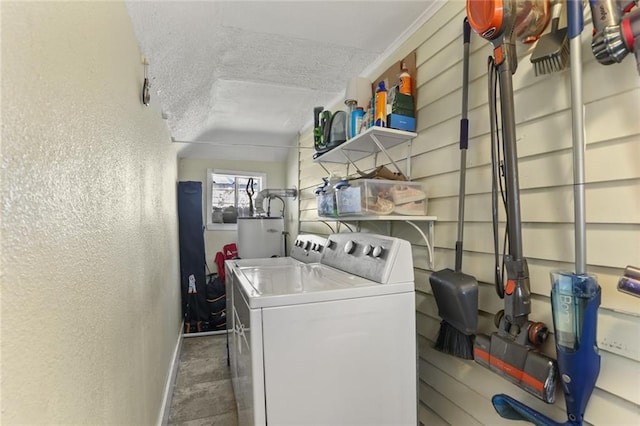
(405, 80)
(381, 106)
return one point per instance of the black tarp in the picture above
(192, 253)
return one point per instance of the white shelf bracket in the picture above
(408, 160)
(325, 169)
(384, 151)
(347, 225)
(329, 226)
(349, 161)
(426, 239)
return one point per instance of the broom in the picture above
(456, 293)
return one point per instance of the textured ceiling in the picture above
(232, 73)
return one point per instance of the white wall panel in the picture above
(457, 391)
(446, 409)
(620, 376)
(454, 390)
(426, 416)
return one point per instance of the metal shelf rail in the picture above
(410, 220)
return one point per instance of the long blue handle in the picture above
(574, 18)
(464, 122)
(466, 31)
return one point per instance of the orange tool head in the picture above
(492, 19)
(486, 17)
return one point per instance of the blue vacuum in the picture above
(575, 300)
(575, 297)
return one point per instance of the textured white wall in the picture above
(196, 170)
(90, 282)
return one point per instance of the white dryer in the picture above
(329, 343)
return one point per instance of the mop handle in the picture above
(575, 22)
(574, 18)
(464, 140)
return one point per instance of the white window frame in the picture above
(248, 174)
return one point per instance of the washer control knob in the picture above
(377, 252)
(307, 245)
(314, 247)
(367, 249)
(349, 247)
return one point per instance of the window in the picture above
(227, 197)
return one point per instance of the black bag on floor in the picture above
(216, 302)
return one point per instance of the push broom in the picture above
(456, 293)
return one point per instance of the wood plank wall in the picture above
(457, 392)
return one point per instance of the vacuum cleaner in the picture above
(575, 297)
(616, 30)
(513, 350)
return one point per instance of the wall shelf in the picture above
(372, 141)
(390, 218)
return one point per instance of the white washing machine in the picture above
(329, 343)
(307, 248)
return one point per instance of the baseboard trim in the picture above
(204, 333)
(165, 410)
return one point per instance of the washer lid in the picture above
(268, 286)
(267, 261)
(260, 218)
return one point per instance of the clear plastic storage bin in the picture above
(326, 204)
(377, 197)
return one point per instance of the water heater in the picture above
(260, 237)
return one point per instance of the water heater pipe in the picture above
(270, 193)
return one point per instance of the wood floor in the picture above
(203, 394)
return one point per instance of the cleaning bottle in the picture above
(357, 116)
(381, 106)
(405, 80)
(372, 111)
(365, 120)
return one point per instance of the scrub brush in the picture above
(551, 54)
